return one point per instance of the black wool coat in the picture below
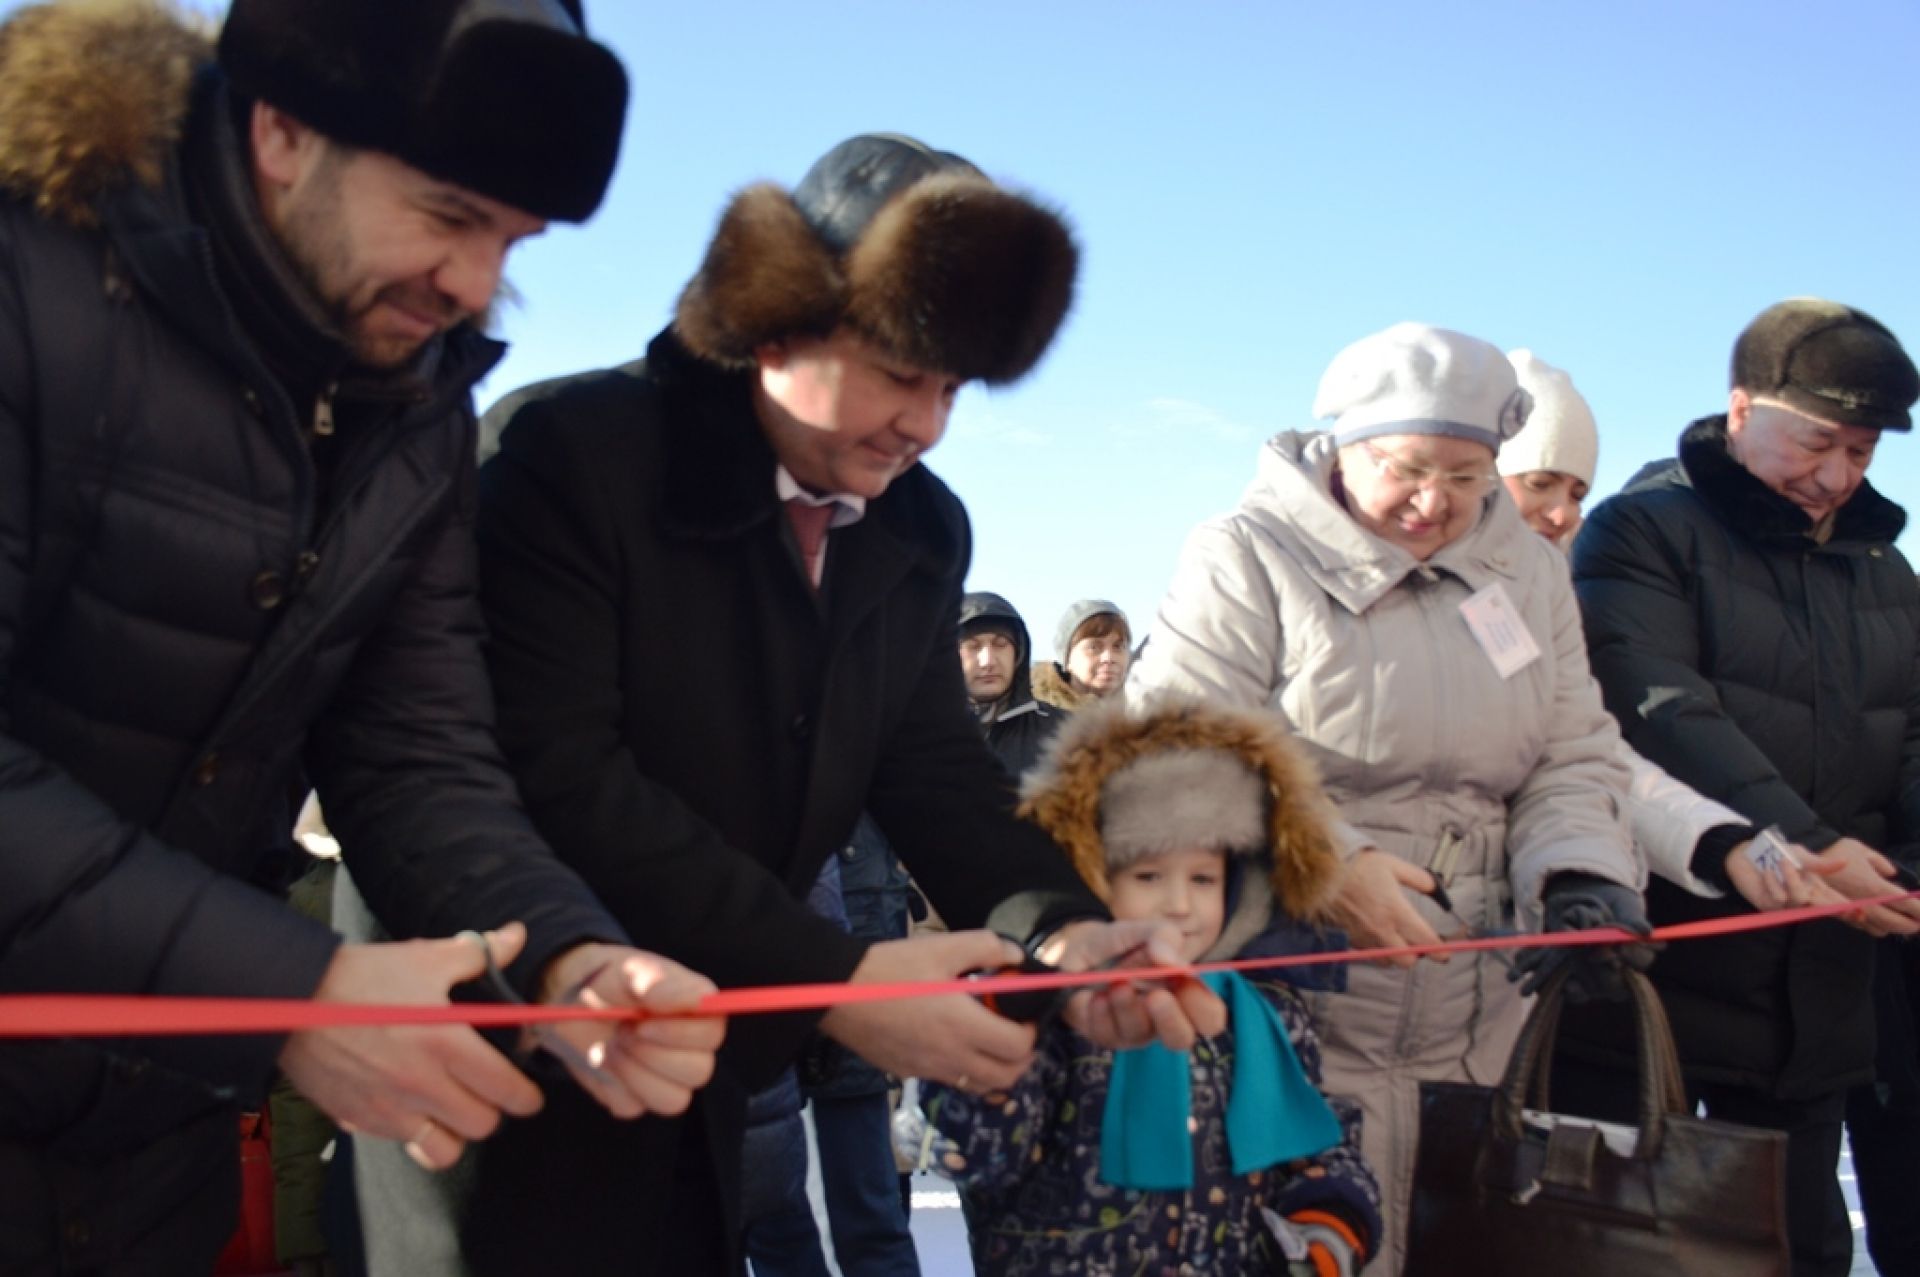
(189, 631)
(697, 731)
(1776, 675)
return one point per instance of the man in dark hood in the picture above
(994, 651)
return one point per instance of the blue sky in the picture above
(1619, 186)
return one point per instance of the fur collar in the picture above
(1062, 794)
(93, 97)
(1050, 685)
(1744, 503)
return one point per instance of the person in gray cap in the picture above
(239, 293)
(1094, 649)
(994, 649)
(1755, 633)
(722, 593)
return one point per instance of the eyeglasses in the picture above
(1463, 483)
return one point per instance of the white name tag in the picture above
(1499, 631)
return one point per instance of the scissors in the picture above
(536, 1037)
(1470, 932)
(1038, 1006)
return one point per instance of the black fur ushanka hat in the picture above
(508, 98)
(914, 249)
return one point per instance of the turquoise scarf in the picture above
(1274, 1114)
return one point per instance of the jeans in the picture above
(864, 1210)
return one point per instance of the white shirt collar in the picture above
(848, 508)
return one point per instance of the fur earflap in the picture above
(93, 94)
(766, 276)
(958, 275)
(1064, 793)
(954, 274)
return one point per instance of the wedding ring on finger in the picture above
(961, 1083)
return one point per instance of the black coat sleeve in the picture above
(88, 901)
(1643, 641)
(411, 777)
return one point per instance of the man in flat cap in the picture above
(240, 291)
(1755, 632)
(722, 594)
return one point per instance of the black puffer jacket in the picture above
(189, 623)
(1778, 676)
(1021, 725)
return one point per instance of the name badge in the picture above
(1499, 630)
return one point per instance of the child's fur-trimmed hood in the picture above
(1064, 794)
(93, 96)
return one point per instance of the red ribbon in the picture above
(106, 1015)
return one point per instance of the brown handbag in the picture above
(1501, 1188)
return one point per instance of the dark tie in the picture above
(810, 531)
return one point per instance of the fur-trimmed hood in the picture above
(1050, 685)
(1063, 795)
(915, 250)
(93, 96)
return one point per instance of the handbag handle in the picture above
(1661, 1089)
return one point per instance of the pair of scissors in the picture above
(535, 1037)
(1038, 1006)
(1470, 932)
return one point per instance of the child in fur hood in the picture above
(1147, 1162)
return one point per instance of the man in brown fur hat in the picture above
(238, 304)
(722, 594)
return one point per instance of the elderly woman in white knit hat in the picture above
(1690, 840)
(1376, 586)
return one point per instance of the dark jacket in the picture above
(186, 626)
(698, 731)
(1017, 726)
(1776, 675)
(1029, 1164)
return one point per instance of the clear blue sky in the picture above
(1619, 186)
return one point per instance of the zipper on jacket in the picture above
(323, 411)
(1446, 860)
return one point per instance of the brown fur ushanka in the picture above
(1062, 794)
(954, 274)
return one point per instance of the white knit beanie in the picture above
(1415, 379)
(1561, 434)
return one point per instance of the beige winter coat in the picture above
(1492, 784)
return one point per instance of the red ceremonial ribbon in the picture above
(105, 1015)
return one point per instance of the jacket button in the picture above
(269, 590)
(802, 727)
(206, 771)
(251, 398)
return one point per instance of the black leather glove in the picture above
(1575, 901)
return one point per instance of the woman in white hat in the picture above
(1690, 840)
(1376, 586)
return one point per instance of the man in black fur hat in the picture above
(722, 594)
(238, 328)
(1755, 632)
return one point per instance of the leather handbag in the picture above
(1502, 1186)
